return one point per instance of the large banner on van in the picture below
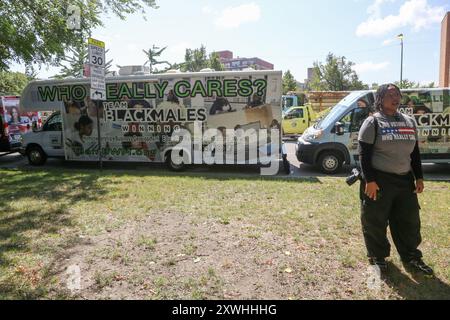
(138, 118)
(431, 110)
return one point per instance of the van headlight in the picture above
(312, 135)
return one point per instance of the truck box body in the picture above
(140, 113)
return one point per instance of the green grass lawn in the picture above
(158, 235)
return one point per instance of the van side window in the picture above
(53, 124)
(297, 113)
(359, 116)
(347, 121)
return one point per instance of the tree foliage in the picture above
(12, 83)
(215, 63)
(197, 59)
(407, 84)
(37, 32)
(152, 59)
(289, 82)
(72, 64)
(336, 74)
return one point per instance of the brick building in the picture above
(444, 71)
(236, 64)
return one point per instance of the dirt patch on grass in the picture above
(175, 256)
(134, 237)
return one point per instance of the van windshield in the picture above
(339, 109)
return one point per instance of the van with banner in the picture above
(333, 141)
(142, 117)
(14, 123)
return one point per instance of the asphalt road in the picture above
(16, 161)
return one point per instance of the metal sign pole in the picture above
(98, 87)
(100, 158)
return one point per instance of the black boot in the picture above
(380, 262)
(419, 266)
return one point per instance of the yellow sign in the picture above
(97, 43)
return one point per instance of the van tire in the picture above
(36, 156)
(330, 162)
(173, 166)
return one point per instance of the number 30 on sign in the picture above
(96, 52)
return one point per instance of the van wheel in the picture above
(175, 166)
(36, 156)
(330, 162)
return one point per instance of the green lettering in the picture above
(230, 88)
(198, 89)
(63, 93)
(161, 87)
(179, 85)
(124, 90)
(214, 87)
(245, 88)
(78, 92)
(137, 92)
(111, 91)
(47, 93)
(148, 91)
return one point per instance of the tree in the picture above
(336, 75)
(195, 60)
(215, 63)
(152, 55)
(289, 82)
(39, 32)
(72, 65)
(12, 83)
(406, 84)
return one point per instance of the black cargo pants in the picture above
(398, 207)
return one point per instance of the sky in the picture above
(290, 34)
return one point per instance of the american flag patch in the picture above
(404, 130)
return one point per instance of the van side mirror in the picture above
(339, 128)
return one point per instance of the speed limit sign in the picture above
(96, 53)
(97, 69)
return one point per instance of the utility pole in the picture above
(400, 36)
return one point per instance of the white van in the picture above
(139, 115)
(333, 141)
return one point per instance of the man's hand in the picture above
(419, 186)
(371, 190)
